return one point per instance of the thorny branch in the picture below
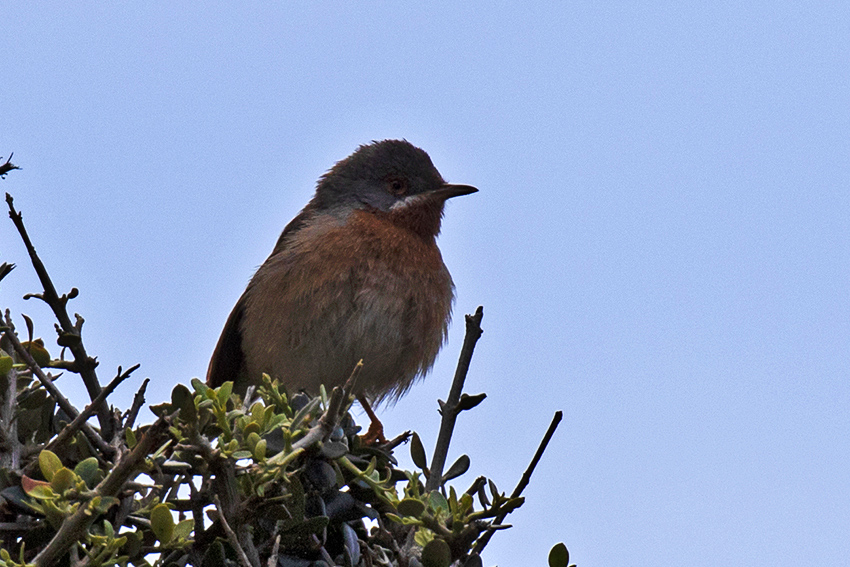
(70, 332)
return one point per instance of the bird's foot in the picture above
(375, 434)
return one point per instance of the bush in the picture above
(217, 479)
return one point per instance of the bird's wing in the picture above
(228, 359)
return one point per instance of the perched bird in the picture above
(355, 275)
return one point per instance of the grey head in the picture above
(385, 176)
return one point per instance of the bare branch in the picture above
(450, 408)
(70, 429)
(70, 334)
(138, 402)
(526, 477)
(231, 535)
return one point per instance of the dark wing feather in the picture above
(228, 359)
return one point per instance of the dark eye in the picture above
(397, 187)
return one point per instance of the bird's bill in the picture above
(449, 190)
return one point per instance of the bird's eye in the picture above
(397, 187)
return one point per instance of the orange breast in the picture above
(337, 293)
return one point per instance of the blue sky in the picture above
(661, 241)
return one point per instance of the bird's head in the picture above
(391, 178)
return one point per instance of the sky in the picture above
(661, 239)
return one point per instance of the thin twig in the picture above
(138, 402)
(72, 427)
(272, 562)
(449, 409)
(85, 364)
(523, 482)
(231, 535)
(47, 382)
(330, 419)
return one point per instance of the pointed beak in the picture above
(449, 190)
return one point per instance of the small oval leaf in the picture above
(162, 523)
(460, 466)
(224, 392)
(49, 464)
(436, 554)
(410, 507)
(417, 452)
(68, 340)
(87, 470)
(37, 351)
(62, 480)
(184, 529)
(260, 451)
(6, 363)
(559, 556)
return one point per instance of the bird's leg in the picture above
(375, 434)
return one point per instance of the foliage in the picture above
(218, 479)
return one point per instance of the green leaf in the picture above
(252, 427)
(559, 556)
(162, 523)
(494, 490)
(410, 507)
(460, 466)
(37, 351)
(6, 364)
(49, 464)
(438, 501)
(130, 437)
(417, 452)
(423, 537)
(308, 526)
(68, 340)
(303, 413)
(224, 392)
(184, 529)
(41, 492)
(88, 470)
(373, 463)
(260, 450)
(436, 554)
(512, 504)
(199, 386)
(468, 402)
(133, 545)
(182, 399)
(334, 449)
(257, 412)
(62, 480)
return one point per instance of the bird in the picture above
(355, 276)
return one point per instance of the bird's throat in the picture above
(422, 218)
